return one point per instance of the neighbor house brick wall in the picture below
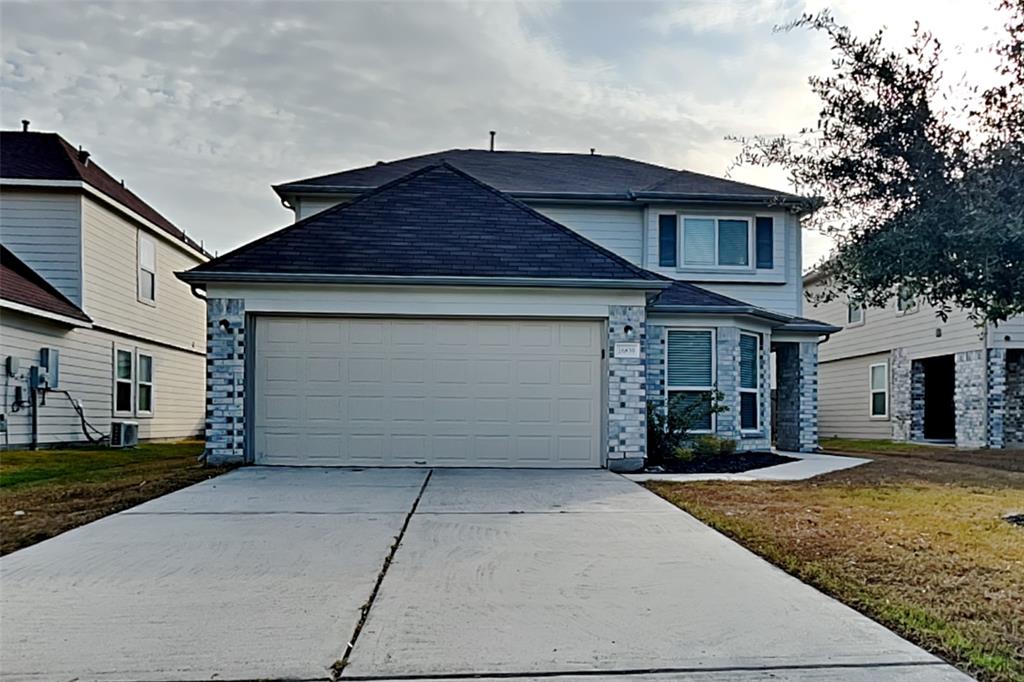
(997, 393)
(627, 390)
(225, 380)
(1013, 418)
(970, 397)
(900, 391)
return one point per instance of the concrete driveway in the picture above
(264, 573)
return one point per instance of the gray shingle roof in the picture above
(21, 284)
(436, 221)
(542, 173)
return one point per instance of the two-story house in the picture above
(901, 372)
(94, 326)
(481, 308)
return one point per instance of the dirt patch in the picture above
(726, 464)
(917, 543)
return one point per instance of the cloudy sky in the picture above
(202, 106)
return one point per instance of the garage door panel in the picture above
(364, 392)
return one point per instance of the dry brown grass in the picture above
(917, 542)
(61, 489)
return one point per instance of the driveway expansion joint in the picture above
(337, 670)
(628, 672)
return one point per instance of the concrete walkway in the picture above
(808, 466)
(524, 575)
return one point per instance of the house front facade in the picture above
(475, 308)
(902, 373)
(91, 314)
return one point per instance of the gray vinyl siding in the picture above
(885, 329)
(844, 399)
(618, 229)
(86, 371)
(42, 228)
(1009, 334)
(111, 283)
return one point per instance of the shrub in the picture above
(668, 427)
(707, 446)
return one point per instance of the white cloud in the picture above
(201, 106)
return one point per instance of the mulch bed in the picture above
(735, 463)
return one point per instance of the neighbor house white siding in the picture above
(42, 228)
(86, 372)
(844, 409)
(306, 206)
(921, 333)
(618, 229)
(111, 284)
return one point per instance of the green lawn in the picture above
(60, 489)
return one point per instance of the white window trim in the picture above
(756, 391)
(131, 382)
(681, 244)
(714, 372)
(142, 236)
(872, 391)
(139, 382)
(863, 315)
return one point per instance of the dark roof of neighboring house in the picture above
(684, 297)
(48, 156)
(21, 284)
(436, 221)
(540, 174)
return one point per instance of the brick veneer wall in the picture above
(1013, 418)
(970, 397)
(225, 380)
(798, 396)
(627, 391)
(998, 384)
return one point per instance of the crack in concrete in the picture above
(339, 666)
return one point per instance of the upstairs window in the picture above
(667, 234)
(906, 303)
(750, 370)
(765, 241)
(689, 370)
(710, 242)
(147, 268)
(854, 313)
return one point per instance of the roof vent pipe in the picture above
(83, 156)
(24, 125)
(493, 133)
(592, 150)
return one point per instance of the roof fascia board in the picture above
(326, 278)
(39, 312)
(753, 311)
(89, 189)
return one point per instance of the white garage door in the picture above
(407, 392)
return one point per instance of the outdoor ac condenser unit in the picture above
(124, 434)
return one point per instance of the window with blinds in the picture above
(689, 371)
(716, 242)
(750, 368)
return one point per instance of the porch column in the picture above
(627, 390)
(225, 380)
(797, 381)
(970, 396)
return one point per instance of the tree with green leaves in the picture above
(921, 189)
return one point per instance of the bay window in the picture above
(750, 371)
(690, 371)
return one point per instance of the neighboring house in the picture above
(88, 271)
(902, 373)
(474, 308)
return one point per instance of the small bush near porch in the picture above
(915, 540)
(61, 489)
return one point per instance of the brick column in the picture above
(627, 391)
(997, 394)
(225, 380)
(798, 396)
(900, 394)
(727, 351)
(1013, 399)
(655, 350)
(970, 396)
